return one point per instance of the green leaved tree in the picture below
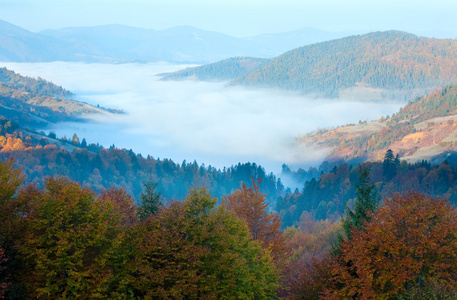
(70, 241)
(196, 250)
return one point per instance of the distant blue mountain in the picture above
(120, 43)
(17, 44)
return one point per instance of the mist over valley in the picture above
(188, 120)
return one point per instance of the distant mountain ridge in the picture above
(390, 64)
(389, 60)
(17, 44)
(119, 44)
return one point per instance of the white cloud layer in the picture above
(209, 122)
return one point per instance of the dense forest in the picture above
(389, 60)
(66, 241)
(100, 168)
(326, 195)
(226, 69)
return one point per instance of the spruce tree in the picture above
(367, 201)
(389, 165)
(151, 200)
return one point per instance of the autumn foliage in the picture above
(195, 250)
(68, 242)
(65, 241)
(410, 244)
(307, 271)
(249, 204)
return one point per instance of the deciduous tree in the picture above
(70, 242)
(409, 244)
(10, 180)
(250, 205)
(196, 250)
(123, 204)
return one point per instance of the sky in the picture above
(240, 18)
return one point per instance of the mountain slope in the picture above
(17, 44)
(37, 102)
(226, 69)
(389, 60)
(424, 129)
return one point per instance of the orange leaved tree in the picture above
(250, 205)
(408, 248)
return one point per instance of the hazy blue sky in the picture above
(239, 17)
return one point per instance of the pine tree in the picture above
(389, 166)
(151, 200)
(84, 143)
(367, 201)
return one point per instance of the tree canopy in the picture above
(409, 244)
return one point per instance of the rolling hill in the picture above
(391, 60)
(377, 65)
(34, 102)
(425, 129)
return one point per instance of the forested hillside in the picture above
(390, 60)
(226, 69)
(423, 129)
(34, 102)
(325, 196)
(100, 168)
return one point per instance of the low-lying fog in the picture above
(209, 122)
